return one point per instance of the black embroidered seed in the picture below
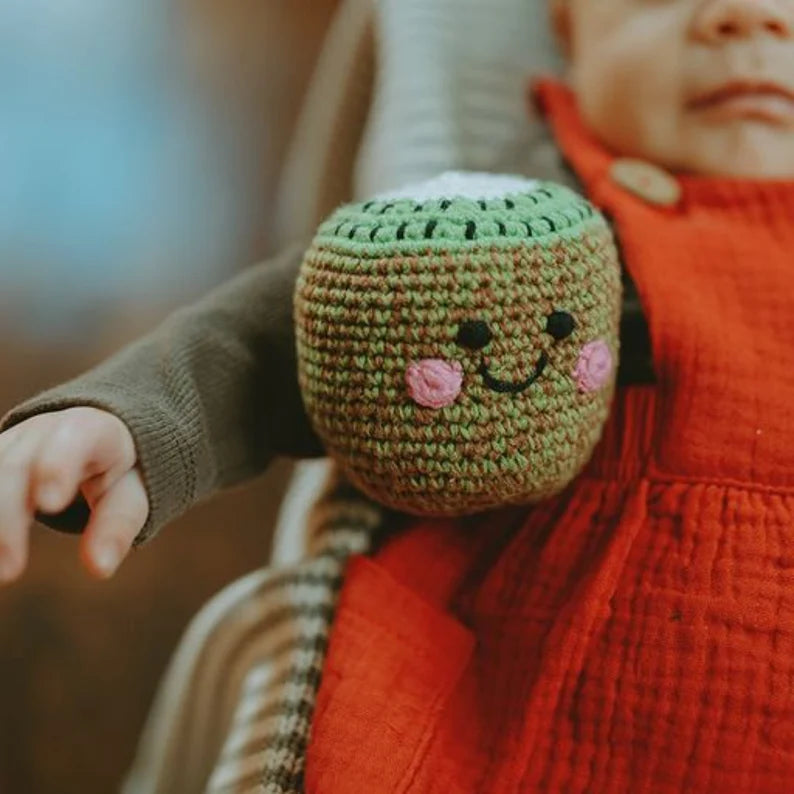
(560, 325)
(552, 225)
(502, 229)
(401, 231)
(367, 205)
(419, 207)
(373, 233)
(445, 204)
(471, 230)
(510, 204)
(337, 229)
(474, 334)
(429, 229)
(483, 205)
(352, 233)
(530, 230)
(386, 208)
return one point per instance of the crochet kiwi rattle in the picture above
(457, 341)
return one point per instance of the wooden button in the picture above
(647, 181)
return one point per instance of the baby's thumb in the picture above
(117, 516)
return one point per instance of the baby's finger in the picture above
(16, 510)
(117, 516)
(84, 444)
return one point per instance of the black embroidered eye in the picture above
(560, 325)
(474, 334)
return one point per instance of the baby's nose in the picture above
(721, 20)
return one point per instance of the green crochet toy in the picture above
(457, 341)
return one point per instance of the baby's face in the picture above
(701, 86)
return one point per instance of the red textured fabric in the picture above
(635, 634)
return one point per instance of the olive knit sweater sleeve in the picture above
(210, 396)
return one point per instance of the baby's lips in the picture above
(594, 367)
(434, 383)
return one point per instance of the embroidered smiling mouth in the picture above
(505, 387)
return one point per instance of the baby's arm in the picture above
(207, 400)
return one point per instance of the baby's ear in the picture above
(560, 12)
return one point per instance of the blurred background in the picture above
(140, 145)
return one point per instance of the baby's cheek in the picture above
(433, 382)
(594, 366)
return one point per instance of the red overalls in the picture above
(635, 634)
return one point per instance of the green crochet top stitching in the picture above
(387, 226)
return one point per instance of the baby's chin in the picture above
(746, 149)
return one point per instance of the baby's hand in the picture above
(46, 461)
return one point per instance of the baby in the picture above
(632, 634)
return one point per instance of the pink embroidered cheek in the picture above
(434, 383)
(594, 367)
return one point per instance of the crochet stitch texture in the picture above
(442, 341)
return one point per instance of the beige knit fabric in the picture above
(449, 90)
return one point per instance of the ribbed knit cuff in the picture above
(159, 445)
